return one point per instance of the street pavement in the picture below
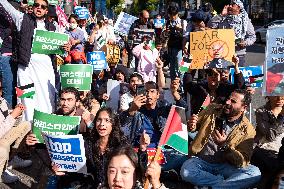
(35, 176)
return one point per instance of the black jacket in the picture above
(22, 40)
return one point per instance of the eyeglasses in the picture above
(36, 5)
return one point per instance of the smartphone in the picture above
(219, 124)
(140, 90)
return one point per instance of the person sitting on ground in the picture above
(221, 151)
(269, 133)
(12, 132)
(106, 137)
(124, 171)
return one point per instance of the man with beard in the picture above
(234, 16)
(222, 149)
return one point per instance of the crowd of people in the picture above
(225, 149)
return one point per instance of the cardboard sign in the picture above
(274, 62)
(56, 125)
(159, 23)
(82, 12)
(247, 72)
(142, 33)
(46, 42)
(77, 76)
(97, 59)
(67, 152)
(123, 23)
(209, 44)
(113, 55)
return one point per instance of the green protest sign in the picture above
(46, 42)
(30, 2)
(53, 2)
(55, 125)
(78, 76)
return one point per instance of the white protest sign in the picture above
(67, 152)
(113, 89)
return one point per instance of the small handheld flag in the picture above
(26, 91)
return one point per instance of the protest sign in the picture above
(46, 42)
(78, 76)
(159, 23)
(30, 2)
(53, 2)
(113, 89)
(62, 19)
(82, 12)
(56, 125)
(274, 62)
(209, 44)
(123, 23)
(151, 154)
(143, 33)
(97, 59)
(67, 152)
(247, 73)
(113, 55)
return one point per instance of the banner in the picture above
(56, 125)
(247, 73)
(123, 23)
(97, 59)
(113, 55)
(53, 2)
(211, 44)
(274, 62)
(159, 23)
(46, 42)
(81, 12)
(62, 19)
(78, 76)
(141, 33)
(67, 152)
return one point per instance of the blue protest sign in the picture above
(159, 23)
(97, 59)
(67, 152)
(247, 72)
(82, 12)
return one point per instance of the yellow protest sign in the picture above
(209, 44)
(113, 54)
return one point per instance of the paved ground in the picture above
(35, 177)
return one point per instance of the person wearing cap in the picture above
(235, 17)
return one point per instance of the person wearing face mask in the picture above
(235, 17)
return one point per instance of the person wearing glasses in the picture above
(32, 68)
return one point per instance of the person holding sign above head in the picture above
(124, 171)
(32, 67)
(221, 151)
(234, 16)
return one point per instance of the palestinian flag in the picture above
(175, 132)
(184, 64)
(26, 91)
(273, 81)
(206, 102)
(256, 78)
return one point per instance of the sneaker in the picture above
(18, 162)
(8, 177)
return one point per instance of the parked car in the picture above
(261, 32)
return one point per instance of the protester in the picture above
(88, 102)
(234, 16)
(32, 68)
(124, 171)
(223, 146)
(12, 132)
(269, 133)
(147, 114)
(177, 33)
